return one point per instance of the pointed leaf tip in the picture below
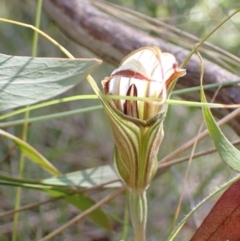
(27, 80)
(229, 153)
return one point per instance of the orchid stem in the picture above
(138, 212)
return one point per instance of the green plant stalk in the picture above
(168, 101)
(82, 97)
(205, 87)
(37, 24)
(20, 174)
(125, 221)
(25, 127)
(138, 213)
(51, 116)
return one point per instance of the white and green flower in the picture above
(137, 125)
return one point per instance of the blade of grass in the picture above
(51, 116)
(20, 174)
(207, 36)
(227, 151)
(180, 225)
(205, 87)
(86, 97)
(47, 104)
(83, 214)
(31, 153)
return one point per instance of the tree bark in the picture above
(111, 40)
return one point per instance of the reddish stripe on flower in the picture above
(130, 107)
(146, 72)
(131, 74)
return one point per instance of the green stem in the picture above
(25, 129)
(126, 218)
(20, 174)
(138, 212)
(37, 24)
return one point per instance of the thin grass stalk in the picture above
(34, 54)
(19, 189)
(92, 97)
(37, 24)
(25, 130)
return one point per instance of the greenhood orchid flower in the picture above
(146, 72)
(137, 125)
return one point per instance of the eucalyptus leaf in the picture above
(229, 153)
(27, 80)
(31, 153)
(87, 178)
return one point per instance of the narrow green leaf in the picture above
(31, 153)
(180, 225)
(79, 200)
(51, 116)
(20, 182)
(26, 80)
(223, 146)
(87, 178)
(83, 202)
(229, 153)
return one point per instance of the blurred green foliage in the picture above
(196, 17)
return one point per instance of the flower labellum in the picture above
(137, 125)
(146, 72)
